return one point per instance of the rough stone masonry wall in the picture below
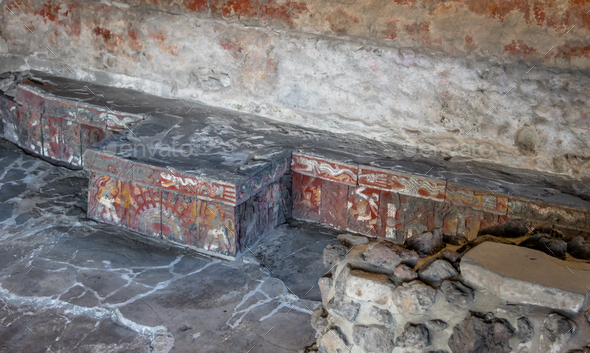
(445, 77)
(374, 302)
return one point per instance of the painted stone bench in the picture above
(60, 118)
(219, 180)
(396, 197)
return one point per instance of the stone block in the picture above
(141, 172)
(28, 130)
(51, 128)
(464, 221)
(457, 293)
(59, 107)
(383, 256)
(324, 168)
(390, 221)
(555, 333)
(216, 227)
(344, 307)
(333, 210)
(414, 336)
(367, 286)
(179, 217)
(363, 211)
(30, 97)
(436, 271)
(333, 254)
(105, 203)
(526, 331)
(403, 273)
(481, 333)
(90, 135)
(8, 115)
(352, 240)
(402, 183)
(373, 338)
(142, 208)
(426, 244)
(414, 298)
(71, 144)
(333, 341)
(524, 276)
(216, 190)
(115, 121)
(417, 215)
(307, 196)
(383, 317)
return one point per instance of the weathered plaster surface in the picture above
(440, 77)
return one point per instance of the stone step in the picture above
(219, 180)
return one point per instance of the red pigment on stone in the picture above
(283, 13)
(390, 31)
(134, 39)
(48, 11)
(242, 8)
(570, 52)
(196, 5)
(519, 48)
(103, 32)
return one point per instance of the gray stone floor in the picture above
(69, 284)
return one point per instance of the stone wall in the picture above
(496, 80)
(373, 300)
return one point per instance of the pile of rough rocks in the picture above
(545, 238)
(374, 301)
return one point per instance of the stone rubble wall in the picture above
(445, 79)
(374, 301)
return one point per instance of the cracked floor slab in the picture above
(69, 284)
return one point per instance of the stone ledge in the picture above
(520, 275)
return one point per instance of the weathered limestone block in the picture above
(481, 333)
(371, 287)
(525, 276)
(436, 271)
(383, 256)
(555, 333)
(373, 338)
(414, 336)
(414, 298)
